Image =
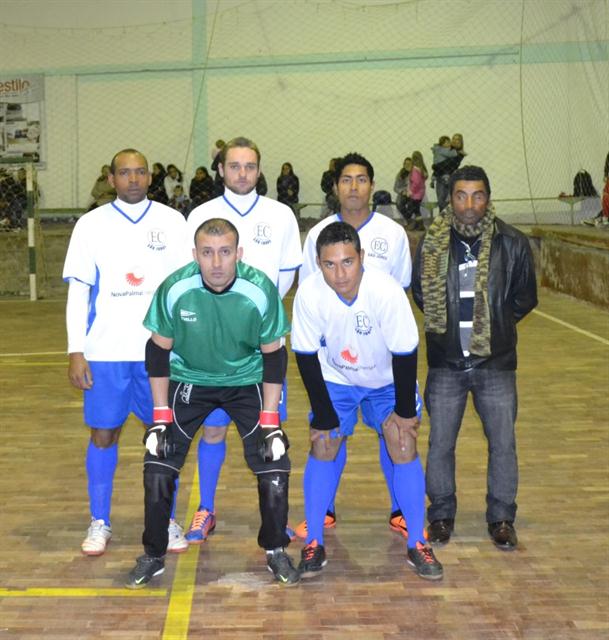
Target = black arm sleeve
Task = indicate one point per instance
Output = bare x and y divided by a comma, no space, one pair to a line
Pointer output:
157,360
405,381
324,416
274,366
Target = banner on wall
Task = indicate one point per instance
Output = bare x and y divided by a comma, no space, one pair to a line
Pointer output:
21,118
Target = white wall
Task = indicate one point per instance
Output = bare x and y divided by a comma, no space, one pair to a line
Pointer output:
309,80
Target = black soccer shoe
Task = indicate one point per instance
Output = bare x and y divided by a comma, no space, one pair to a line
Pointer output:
145,569
280,565
312,559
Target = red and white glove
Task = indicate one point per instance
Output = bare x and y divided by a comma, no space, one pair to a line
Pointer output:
158,438
272,441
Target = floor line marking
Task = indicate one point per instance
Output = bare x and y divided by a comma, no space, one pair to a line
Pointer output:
78,592
547,316
35,353
177,620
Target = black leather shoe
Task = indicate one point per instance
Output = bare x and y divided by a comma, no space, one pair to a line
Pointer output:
439,531
503,535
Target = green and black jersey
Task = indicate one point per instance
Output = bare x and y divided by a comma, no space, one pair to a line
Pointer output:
217,336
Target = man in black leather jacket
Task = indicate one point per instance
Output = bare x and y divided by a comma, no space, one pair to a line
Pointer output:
474,279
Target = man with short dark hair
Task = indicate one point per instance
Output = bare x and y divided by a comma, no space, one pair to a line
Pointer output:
387,248
217,326
270,239
474,279
355,341
118,254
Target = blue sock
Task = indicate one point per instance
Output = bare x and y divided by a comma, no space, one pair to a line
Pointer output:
319,484
175,499
339,466
387,468
409,487
211,458
101,465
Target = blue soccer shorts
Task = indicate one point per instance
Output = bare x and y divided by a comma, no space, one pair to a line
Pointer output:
376,406
119,388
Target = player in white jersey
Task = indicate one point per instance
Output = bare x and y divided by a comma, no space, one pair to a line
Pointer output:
270,238
384,240
118,255
355,340
386,245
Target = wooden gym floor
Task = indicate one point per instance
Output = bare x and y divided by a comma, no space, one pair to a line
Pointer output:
555,586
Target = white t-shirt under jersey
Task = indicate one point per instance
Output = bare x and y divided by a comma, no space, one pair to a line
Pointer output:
384,242
268,230
123,252
354,341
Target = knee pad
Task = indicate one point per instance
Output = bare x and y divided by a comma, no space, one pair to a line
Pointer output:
159,487
274,485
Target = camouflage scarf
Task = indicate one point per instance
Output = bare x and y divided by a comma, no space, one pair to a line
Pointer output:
434,270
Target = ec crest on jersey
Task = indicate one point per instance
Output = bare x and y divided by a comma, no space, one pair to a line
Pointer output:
379,248
262,233
156,240
362,323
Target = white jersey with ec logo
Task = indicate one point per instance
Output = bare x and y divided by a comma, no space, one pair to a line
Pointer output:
384,242
354,340
268,230
123,252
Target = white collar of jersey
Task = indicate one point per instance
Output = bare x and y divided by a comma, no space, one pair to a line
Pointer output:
132,211
239,202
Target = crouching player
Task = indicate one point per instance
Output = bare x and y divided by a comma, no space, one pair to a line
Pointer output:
356,342
217,325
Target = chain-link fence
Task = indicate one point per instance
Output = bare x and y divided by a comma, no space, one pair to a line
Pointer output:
526,83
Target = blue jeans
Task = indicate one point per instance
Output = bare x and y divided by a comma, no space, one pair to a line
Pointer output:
495,401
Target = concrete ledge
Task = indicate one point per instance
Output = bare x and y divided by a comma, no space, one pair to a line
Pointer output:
575,261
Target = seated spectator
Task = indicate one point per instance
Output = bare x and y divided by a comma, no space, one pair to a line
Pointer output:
327,186
288,185
172,179
156,190
102,192
400,186
179,201
216,155
201,187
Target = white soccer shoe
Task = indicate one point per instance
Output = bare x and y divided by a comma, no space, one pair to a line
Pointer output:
177,542
98,536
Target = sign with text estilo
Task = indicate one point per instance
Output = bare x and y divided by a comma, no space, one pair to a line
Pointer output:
21,118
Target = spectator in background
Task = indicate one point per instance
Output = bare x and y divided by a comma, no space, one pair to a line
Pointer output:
327,186
13,202
216,154
262,188
447,156
201,187
102,192
288,186
416,189
400,186
156,190
179,201
172,179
